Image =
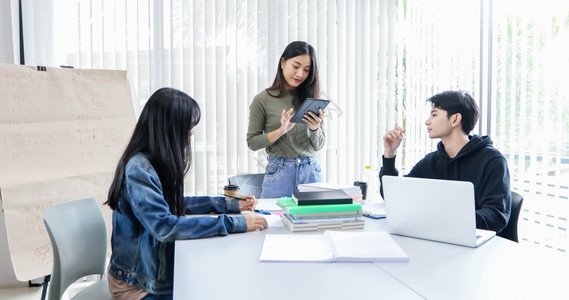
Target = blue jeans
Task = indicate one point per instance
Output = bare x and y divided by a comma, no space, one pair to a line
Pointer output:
283,175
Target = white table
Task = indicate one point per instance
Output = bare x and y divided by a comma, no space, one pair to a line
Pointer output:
229,267
498,269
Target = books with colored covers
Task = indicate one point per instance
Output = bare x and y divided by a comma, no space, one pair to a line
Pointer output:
353,191
332,246
322,225
326,216
321,197
339,219
289,206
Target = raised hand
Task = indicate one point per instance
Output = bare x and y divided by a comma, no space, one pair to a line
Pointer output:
391,141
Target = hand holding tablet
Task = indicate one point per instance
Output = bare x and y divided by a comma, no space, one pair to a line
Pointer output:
310,104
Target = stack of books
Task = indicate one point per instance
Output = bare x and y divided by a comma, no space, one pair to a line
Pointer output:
322,197
320,216
353,191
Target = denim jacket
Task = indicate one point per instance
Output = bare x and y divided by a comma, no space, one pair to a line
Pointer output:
144,231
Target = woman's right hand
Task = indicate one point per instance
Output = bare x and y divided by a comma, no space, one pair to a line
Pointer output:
248,204
391,141
255,222
286,124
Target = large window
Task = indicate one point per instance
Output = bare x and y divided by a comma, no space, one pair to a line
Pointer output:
529,117
379,61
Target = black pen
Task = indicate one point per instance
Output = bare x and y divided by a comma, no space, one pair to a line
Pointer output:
234,197
239,198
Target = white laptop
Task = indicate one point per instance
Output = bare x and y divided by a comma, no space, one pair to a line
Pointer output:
433,209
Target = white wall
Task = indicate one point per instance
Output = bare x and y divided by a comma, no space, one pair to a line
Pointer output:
6,32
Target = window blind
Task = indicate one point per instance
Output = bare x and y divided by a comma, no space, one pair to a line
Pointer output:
379,61
531,115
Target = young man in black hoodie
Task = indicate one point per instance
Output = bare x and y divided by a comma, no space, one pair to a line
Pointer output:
459,156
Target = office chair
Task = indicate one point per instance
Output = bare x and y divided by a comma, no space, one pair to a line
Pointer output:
79,240
249,184
510,232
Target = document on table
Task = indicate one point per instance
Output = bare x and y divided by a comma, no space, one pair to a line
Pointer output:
269,205
332,246
374,210
274,220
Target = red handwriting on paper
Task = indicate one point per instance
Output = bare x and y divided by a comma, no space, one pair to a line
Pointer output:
68,192
44,254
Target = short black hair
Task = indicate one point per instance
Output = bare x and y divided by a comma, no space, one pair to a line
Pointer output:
458,102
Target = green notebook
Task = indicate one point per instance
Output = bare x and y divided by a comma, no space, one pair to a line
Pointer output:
291,207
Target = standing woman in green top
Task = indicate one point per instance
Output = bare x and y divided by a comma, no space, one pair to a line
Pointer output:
291,147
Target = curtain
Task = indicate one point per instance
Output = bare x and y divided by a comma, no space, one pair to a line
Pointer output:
8,32
379,61
37,26
530,113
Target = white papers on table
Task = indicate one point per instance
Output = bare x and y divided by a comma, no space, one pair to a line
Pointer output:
375,210
268,204
338,246
273,220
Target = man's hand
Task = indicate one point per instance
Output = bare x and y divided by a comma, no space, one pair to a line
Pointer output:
391,141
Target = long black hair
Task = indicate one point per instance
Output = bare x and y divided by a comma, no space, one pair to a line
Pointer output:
310,87
163,134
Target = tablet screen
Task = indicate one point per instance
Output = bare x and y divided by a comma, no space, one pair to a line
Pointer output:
310,104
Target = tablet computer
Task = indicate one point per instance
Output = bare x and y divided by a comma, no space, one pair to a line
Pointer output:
310,104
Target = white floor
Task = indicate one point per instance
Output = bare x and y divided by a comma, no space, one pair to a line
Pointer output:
29,293
23,293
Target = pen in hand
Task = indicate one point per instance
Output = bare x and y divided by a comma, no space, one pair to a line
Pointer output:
243,199
234,197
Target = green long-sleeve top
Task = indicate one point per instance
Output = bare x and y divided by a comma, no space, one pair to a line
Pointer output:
265,116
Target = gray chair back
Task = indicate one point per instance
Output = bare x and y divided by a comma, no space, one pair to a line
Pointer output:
79,240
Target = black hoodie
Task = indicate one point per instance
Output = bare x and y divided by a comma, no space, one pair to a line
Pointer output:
478,162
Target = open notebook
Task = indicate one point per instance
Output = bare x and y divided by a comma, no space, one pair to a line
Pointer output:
332,246
433,209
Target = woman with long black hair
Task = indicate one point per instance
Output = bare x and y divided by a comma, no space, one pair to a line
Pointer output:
148,203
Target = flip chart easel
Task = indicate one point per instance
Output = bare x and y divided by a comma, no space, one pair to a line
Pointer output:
62,132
